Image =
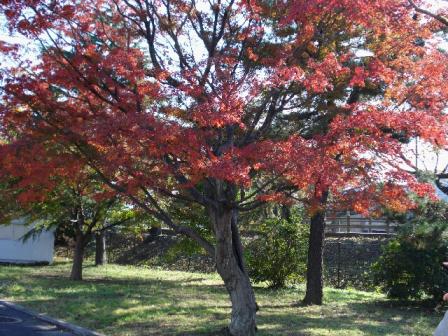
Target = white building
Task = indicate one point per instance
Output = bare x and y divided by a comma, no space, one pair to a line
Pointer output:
13,249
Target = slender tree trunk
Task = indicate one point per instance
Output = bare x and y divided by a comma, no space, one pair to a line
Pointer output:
230,265
155,231
286,212
100,249
78,258
314,273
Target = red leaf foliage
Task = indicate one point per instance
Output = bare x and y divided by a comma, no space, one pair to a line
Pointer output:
175,98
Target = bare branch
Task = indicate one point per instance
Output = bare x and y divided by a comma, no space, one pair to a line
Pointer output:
438,17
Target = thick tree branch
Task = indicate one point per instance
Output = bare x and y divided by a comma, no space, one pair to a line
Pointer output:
437,17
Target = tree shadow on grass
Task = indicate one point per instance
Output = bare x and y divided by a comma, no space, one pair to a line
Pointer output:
107,315
187,307
123,281
361,318
122,317
109,304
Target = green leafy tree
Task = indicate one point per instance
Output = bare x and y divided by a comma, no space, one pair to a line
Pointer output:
278,253
411,264
79,208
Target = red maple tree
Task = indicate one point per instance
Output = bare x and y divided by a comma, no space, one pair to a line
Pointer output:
227,104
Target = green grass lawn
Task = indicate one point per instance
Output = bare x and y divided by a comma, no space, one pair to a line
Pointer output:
120,300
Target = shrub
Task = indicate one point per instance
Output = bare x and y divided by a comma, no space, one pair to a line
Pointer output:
411,264
278,253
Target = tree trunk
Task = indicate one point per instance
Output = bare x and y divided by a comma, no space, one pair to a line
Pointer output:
78,258
100,249
155,231
314,273
230,265
286,212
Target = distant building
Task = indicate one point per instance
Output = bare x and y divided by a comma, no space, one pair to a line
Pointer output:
343,222
349,222
13,249
441,191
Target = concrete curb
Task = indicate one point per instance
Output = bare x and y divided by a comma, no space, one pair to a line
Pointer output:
78,331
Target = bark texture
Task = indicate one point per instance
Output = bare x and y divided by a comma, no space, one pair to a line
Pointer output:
78,258
155,231
314,273
100,249
230,265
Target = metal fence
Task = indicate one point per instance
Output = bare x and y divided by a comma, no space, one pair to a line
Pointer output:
348,261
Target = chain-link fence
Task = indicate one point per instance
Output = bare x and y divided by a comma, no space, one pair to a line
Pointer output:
347,260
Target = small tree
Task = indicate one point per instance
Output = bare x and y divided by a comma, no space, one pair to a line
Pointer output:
79,207
277,254
410,266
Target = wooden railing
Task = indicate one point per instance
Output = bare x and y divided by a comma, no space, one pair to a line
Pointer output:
349,224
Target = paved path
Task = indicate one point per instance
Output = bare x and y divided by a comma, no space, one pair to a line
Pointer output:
17,323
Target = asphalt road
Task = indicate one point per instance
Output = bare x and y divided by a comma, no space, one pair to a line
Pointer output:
17,323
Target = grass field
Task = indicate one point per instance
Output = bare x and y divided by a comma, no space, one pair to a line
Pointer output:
120,300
